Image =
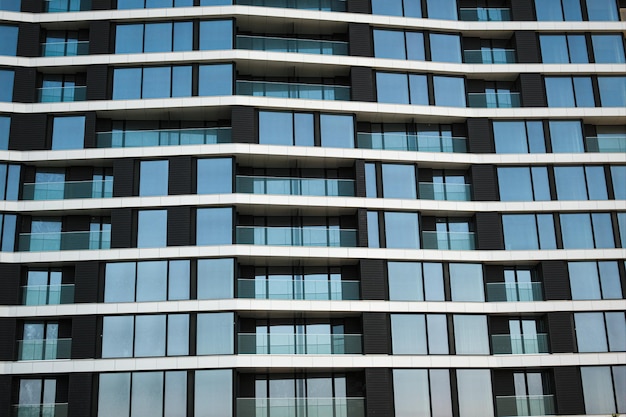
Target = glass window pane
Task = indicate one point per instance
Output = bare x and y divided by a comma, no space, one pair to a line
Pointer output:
392,88
399,181
515,184
156,82
520,232
304,130
566,136
577,49
612,91
214,226
275,128
183,36
5,127
389,44
126,83
175,393
475,395
147,394
215,80
583,92
619,380
373,235
152,229
418,88
213,393
387,7
599,10
119,284
618,175
548,10
415,46
337,131
216,35
470,335
610,280
608,49
603,230
449,91
405,281
616,329
576,231
553,49
560,92
466,282
215,176
583,279
541,185
177,334
8,34
6,85
114,395
441,9
152,281
445,48
215,334
571,10
215,278
179,276
596,183
153,178
597,389
117,337
437,327
433,282
590,333
411,392
510,137
547,233
68,132
181,81
150,335
408,334
158,37
570,183
402,230
370,181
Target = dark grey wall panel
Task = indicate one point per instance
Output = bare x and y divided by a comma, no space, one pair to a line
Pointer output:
489,231
179,226
479,136
180,176
376,334
84,337
97,82
123,177
561,332
8,327
503,383
28,132
373,279
79,394
568,390
527,47
101,4
28,40
32,6
359,6
121,224
361,43
362,81
5,395
484,184
523,10
532,90
362,228
9,284
555,280
86,282
359,176
244,125
24,85
90,130
379,392
99,37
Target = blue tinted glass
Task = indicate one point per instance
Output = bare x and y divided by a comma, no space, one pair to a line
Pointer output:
214,226
515,184
577,49
215,80
449,91
541,186
590,332
584,92
520,231
445,48
181,81
402,230
130,4
8,34
214,2
536,139
466,282
8,234
560,92
553,49
153,4
413,8
183,36
612,91
389,44
217,34
156,82
418,86
304,130
570,183
576,231
392,88
602,10
126,83
566,136
215,176
608,48
275,128
441,9
571,10
215,334
216,278
621,224
370,181
408,334
158,37
618,175
387,7
583,279
548,10
415,46
68,132
596,183
405,281
602,230
547,233
337,131
6,85
153,178
510,137
152,229
128,39
119,285
10,5
373,235
5,127
399,181
213,393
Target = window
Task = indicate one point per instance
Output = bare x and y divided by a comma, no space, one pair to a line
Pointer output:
415,281
520,137
470,335
422,392
151,4
213,393
612,91
621,224
594,280
618,175
523,183
35,392
570,92
10,5
600,332
580,183
399,45
608,49
402,88
152,228
566,136
475,394
337,131
407,8
603,389
215,176
215,80
445,47
215,334
288,129
215,278
466,282
7,232
587,231
441,9
5,127
153,178
528,231
563,49
9,181
6,85
68,132
214,226
558,10
216,35
8,34
151,82
602,10
399,181
419,334
401,230
449,91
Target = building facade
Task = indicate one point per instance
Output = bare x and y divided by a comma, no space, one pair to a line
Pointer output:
312,208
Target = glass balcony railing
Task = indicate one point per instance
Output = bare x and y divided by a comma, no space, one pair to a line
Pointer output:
45,349
299,344
511,291
613,143
61,94
494,100
296,236
290,289
442,191
485,14
71,48
322,5
67,190
39,410
448,240
490,56
51,241
302,46
295,186
59,6
293,90
163,137
525,405
307,406
39,295
506,344
411,142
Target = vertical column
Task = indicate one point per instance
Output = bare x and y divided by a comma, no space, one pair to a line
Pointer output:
489,234
79,395
561,331
376,334
569,391
379,392
555,280
479,136
84,337
362,82
9,284
484,183
373,279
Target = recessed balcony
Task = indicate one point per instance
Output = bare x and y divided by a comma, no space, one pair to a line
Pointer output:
291,289
61,94
293,90
485,14
37,295
445,191
304,406
60,6
494,100
67,190
295,186
489,56
293,45
44,349
163,137
448,240
69,48
299,344
602,144
53,241
296,236
514,291
525,405
412,142
39,410
508,344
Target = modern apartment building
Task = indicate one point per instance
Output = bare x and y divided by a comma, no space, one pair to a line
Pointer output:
312,208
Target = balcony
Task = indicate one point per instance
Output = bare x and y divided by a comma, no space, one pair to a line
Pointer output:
59,6
445,192
299,344
322,5
448,240
302,46
61,94
289,289
293,90
296,236
70,48
411,142
163,137
53,241
613,143
39,410
506,344
494,100
511,291
45,349
289,407
525,405
296,186
39,295
67,190
490,56
485,14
